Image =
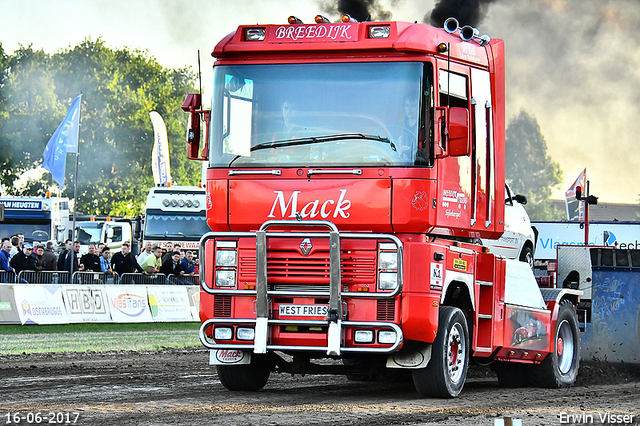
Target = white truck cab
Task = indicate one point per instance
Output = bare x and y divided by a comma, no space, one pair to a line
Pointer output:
519,238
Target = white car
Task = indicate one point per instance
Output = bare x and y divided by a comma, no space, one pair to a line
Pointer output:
519,239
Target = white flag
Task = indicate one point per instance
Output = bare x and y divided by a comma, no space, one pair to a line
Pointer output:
160,154
574,206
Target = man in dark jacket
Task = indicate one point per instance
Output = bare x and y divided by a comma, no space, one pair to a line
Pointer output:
22,261
72,256
50,260
172,265
124,262
63,254
90,262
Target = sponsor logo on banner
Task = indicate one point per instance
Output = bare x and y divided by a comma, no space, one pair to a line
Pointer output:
39,304
86,303
169,303
128,303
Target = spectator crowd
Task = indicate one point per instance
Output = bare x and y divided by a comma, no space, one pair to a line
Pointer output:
16,256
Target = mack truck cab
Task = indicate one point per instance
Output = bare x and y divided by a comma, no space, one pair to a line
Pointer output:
353,167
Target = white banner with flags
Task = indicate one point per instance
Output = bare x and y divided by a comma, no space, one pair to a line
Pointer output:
160,154
575,210
63,140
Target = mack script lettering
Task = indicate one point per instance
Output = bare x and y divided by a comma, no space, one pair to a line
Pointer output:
312,209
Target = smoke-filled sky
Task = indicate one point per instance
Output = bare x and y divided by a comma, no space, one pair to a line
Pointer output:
573,64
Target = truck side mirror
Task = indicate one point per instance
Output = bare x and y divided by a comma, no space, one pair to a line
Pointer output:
521,199
458,132
192,105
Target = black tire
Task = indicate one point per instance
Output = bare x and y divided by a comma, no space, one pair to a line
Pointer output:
560,368
511,374
445,374
246,377
526,255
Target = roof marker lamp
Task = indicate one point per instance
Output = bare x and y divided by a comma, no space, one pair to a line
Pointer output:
254,34
294,21
321,20
347,18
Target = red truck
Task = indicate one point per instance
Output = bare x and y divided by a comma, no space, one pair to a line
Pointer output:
354,168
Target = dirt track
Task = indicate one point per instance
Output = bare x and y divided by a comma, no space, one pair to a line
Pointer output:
176,387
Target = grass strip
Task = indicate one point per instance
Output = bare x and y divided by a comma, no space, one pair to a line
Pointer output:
17,339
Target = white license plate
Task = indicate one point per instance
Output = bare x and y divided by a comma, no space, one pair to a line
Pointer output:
303,310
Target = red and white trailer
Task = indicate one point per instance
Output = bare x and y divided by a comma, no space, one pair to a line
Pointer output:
353,169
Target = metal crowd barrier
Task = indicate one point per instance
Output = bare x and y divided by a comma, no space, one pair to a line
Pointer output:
183,279
8,277
82,277
95,278
144,279
43,277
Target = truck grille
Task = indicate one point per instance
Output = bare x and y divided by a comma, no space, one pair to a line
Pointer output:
386,309
222,306
289,269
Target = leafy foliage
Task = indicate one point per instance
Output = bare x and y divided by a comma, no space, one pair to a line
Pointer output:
529,169
119,87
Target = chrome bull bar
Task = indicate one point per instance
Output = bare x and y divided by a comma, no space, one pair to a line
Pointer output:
334,319
213,345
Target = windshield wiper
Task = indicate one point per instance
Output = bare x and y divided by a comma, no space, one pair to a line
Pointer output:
317,139
322,139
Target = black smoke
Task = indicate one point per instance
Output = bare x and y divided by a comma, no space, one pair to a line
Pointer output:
467,12
361,10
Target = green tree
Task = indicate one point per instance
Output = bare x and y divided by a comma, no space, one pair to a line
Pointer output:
119,87
529,169
27,109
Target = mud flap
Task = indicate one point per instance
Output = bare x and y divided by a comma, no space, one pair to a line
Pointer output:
229,357
413,357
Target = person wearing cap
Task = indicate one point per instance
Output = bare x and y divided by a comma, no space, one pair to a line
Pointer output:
22,261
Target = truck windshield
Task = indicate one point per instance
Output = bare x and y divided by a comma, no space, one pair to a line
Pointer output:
342,114
90,232
175,226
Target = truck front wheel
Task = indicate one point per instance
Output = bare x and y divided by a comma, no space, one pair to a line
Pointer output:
445,374
246,377
560,368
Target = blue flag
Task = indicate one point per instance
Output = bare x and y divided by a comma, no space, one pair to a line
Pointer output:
64,139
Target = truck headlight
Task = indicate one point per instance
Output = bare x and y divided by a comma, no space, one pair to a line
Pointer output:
388,260
225,278
245,333
226,258
387,337
363,336
388,280
223,333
